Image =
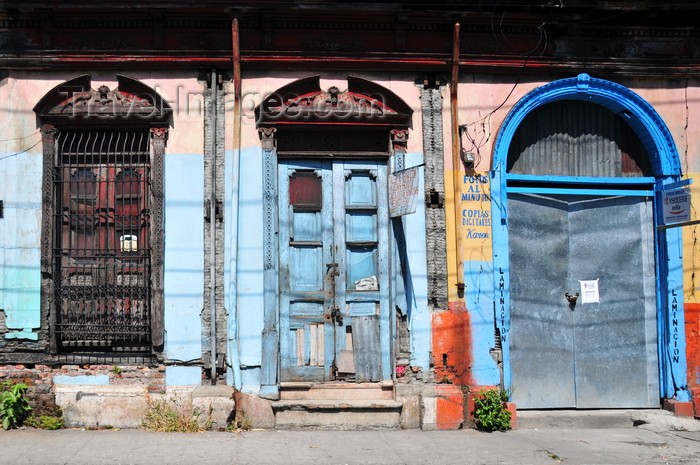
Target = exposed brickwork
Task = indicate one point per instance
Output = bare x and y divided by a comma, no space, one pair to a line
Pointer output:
679,409
39,378
433,149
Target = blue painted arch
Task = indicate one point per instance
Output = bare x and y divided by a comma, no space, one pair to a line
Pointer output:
641,117
666,169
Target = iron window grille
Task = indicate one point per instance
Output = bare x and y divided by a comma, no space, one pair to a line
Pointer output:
101,244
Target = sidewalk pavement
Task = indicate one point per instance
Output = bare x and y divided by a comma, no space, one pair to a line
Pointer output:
650,443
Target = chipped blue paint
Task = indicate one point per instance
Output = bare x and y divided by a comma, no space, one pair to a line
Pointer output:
184,255
479,298
183,376
26,333
417,282
665,165
82,380
251,379
231,214
20,277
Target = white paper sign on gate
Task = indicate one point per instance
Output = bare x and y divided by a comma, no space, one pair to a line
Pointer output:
589,292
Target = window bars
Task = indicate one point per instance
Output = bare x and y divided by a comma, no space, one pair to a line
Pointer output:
101,241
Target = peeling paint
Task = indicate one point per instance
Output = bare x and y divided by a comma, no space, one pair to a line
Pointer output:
452,345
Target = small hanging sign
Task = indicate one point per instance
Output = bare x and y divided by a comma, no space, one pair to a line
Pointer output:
589,292
676,204
403,192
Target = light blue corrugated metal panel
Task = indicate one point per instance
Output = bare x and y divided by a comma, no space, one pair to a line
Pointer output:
20,190
184,255
576,138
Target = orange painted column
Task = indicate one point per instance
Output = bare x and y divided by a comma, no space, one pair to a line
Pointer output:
692,336
452,345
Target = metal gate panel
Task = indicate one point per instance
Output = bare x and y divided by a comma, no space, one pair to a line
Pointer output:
615,365
611,345
541,345
101,245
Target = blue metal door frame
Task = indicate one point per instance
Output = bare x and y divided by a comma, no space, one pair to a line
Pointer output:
665,165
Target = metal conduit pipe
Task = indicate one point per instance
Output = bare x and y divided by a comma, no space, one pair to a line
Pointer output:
456,161
233,328
212,228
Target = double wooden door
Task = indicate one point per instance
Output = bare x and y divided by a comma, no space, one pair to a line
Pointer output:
334,271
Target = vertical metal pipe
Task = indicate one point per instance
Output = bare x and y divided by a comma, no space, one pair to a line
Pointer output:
237,89
212,227
456,161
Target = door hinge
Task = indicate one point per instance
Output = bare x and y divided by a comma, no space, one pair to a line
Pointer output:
2,209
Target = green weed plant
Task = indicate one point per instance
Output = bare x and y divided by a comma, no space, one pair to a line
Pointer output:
14,405
491,412
168,418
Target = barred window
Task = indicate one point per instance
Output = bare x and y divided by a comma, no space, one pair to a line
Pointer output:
102,220
102,250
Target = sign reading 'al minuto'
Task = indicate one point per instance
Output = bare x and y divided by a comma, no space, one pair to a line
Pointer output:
476,207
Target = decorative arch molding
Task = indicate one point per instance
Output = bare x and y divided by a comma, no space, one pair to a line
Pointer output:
364,102
666,168
641,117
75,103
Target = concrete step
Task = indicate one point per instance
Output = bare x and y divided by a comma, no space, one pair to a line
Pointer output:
337,391
582,419
337,414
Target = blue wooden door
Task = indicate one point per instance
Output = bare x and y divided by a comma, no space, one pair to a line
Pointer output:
334,271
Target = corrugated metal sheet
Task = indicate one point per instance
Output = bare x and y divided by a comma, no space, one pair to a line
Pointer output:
368,349
577,138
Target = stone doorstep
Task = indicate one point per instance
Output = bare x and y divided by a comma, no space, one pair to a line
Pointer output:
337,391
340,414
217,390
587,419
329,404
